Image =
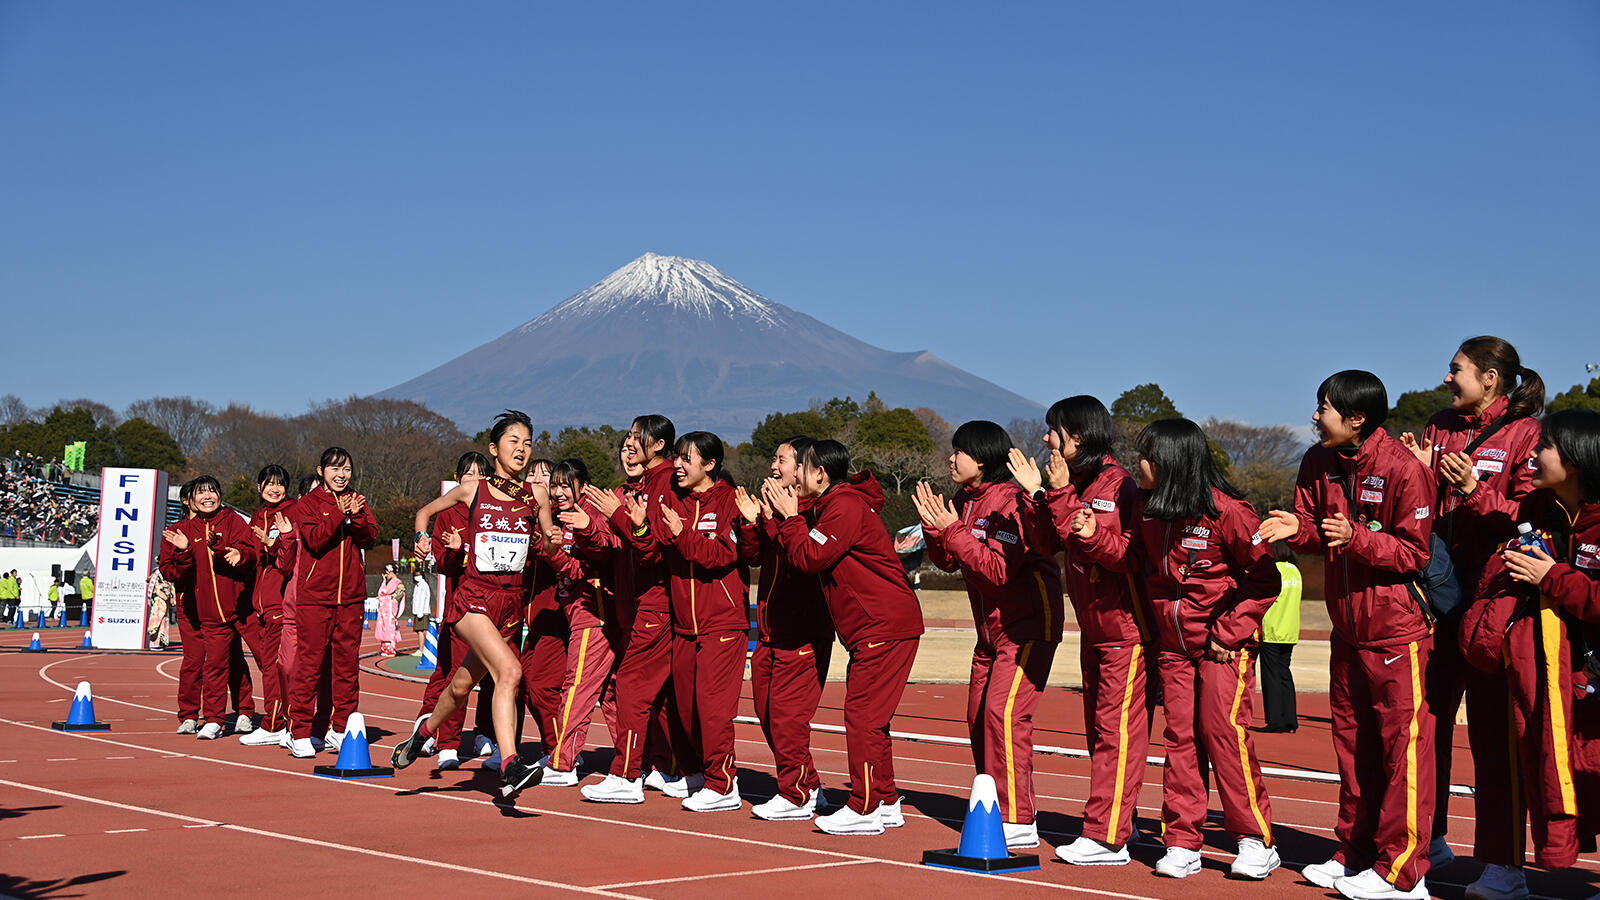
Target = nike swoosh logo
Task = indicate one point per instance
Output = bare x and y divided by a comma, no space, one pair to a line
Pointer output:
806,652
1390,660
652,624
727,637
878,644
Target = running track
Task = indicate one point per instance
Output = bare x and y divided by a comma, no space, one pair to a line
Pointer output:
142,812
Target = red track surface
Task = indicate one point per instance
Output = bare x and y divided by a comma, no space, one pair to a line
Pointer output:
142,812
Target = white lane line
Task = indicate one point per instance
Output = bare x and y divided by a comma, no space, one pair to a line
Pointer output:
126,830
315,842
35,837
122,757
773,871
61,759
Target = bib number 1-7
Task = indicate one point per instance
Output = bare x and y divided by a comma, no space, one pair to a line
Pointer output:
498,551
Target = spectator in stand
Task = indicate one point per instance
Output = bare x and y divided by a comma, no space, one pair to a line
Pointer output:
1280,631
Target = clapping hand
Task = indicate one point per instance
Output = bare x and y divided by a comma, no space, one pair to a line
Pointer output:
749,507
1422,451
232,556
638,510
1278,525
1025,470
577,518
1084,523
1057,469
780,497
176,538
604,501
1457,469
937,513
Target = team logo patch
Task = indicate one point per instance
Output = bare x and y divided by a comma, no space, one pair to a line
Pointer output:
1586,561
818,536
1491,453
1103,505
1190,543
1421,513
1006,537
1489,465
1373,481
1372,496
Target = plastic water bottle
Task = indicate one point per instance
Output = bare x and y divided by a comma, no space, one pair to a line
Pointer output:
1527,539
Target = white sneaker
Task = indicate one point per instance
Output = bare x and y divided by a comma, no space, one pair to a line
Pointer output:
210,732
655,780
431,746
891,815
614,789
287,740
244,724
1324,874
483,745
302,748
261,738
782,809
1255,860
682,788
845,820
447,760
332,740
1369,885
558,777
189,726
1021,837
1179,862
707,800
1440,854
1090,852
1499,883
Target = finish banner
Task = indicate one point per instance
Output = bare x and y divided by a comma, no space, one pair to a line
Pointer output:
133,513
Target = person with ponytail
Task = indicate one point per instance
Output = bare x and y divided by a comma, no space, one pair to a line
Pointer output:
1006,555
1479,451
1533,626
508,517
1364,501
1112,611
843,540
1210,581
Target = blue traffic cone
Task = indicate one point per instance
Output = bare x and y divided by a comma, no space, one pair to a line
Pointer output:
62,622
33,645
81,716
22,620
430,649
355,756
83,620
43,620
983,838
87,644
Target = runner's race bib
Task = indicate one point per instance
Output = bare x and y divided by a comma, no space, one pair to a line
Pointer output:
500,551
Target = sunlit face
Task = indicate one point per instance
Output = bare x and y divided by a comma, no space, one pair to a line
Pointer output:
540,474
1335,429
206,499
1549,469
335,475
644,451
693,472
273,492
785,467
1063,442
628,457
1149,474
813,481
472,475
1471,388
512,451
964,469
564,493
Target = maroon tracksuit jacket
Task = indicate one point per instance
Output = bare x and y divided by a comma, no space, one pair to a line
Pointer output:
1006,555
1114,617
330,596
583,589
1526,634
219,594
1382,648
263,630
876,613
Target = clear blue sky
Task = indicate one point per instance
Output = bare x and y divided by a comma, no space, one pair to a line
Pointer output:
1232,200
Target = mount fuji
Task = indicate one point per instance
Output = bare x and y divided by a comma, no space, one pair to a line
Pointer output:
676,336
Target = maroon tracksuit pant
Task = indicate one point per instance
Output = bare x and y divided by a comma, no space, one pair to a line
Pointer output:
1002,694
875,680
223,671
544,668
263,636
194,655
1208,706
591,663
707,674
642,696
325,634
787,686
1383,738
1117,708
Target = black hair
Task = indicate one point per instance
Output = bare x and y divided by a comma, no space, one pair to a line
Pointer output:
334,456
1088,418
1186,472
468,460
308,483
1282,552
273,474
205,481
1355,392
505,420
1575,434
709,447
656,427
572,471
989,445
541,461
1489,352
831,457
798,444
186,491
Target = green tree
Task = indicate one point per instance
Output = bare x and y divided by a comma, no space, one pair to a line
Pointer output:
140,445
1143,404
779,427
601,462
1413,409
241,494
898,428
1578,397
837,415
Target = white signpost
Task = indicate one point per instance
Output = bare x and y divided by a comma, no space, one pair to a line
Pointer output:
133,513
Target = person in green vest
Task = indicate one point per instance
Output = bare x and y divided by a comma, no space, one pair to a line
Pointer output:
10,595
86,592
54,596
1280,631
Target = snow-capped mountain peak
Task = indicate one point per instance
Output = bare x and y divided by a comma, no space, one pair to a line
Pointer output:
673,283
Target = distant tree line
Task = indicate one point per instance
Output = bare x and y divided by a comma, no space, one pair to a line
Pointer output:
403,450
